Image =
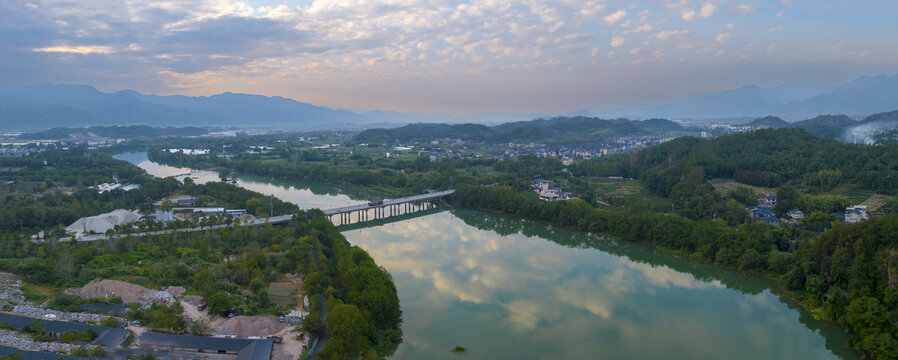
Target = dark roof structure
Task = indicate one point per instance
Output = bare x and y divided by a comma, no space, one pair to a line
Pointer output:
246,349
110,338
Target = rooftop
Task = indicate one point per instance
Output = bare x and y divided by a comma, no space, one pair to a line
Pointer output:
247,349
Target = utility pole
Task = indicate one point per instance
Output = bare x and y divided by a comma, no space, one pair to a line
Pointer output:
271,206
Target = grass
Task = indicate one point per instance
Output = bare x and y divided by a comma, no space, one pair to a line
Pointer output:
38,293
856,196
630,191
459,349
877,201
724,186
281,292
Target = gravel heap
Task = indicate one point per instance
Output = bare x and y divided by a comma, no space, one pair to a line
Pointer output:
130,293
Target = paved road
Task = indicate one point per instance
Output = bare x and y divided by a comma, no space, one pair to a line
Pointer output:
255,222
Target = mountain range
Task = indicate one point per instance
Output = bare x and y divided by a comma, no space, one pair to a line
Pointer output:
792,101
37,107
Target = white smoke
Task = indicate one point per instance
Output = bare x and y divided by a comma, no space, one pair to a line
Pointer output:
863,134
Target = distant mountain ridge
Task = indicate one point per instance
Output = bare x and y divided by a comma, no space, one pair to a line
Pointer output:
38,107
793,101
578,129
44,106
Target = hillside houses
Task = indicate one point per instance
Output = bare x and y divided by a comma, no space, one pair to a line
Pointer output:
549,192
764,211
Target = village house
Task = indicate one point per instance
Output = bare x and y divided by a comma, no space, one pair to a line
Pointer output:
856,213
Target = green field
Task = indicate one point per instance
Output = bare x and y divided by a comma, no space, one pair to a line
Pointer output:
281,292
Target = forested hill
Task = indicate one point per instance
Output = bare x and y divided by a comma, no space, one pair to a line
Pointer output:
835,126
766,157
561,129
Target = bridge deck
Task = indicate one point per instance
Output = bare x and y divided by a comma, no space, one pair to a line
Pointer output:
389,202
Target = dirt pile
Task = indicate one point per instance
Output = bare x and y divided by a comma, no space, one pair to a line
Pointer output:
130,293
247,326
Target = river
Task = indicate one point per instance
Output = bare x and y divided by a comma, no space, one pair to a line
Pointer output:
504,288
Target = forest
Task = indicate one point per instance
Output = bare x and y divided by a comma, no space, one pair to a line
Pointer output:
767,157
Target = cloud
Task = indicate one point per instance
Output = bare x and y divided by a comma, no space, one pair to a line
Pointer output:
591,9
617,41
688,15
670,34
707,10
84,49
644,28
349,47
742,10
775,28
731,26
615,17
722,38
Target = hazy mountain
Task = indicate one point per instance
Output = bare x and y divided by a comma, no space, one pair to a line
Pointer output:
46,106
864,96
768,121
793,101
256,110
830,126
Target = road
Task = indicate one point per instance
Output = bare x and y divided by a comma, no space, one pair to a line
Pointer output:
254,222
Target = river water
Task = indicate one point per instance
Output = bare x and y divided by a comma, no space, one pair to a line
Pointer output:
504,288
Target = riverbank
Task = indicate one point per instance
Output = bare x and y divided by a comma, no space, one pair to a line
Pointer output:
750,248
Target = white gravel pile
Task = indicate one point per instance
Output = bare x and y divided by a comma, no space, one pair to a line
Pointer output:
22,341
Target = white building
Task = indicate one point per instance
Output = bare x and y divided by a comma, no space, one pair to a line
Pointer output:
856,213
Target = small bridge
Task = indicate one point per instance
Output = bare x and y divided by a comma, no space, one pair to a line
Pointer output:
386,208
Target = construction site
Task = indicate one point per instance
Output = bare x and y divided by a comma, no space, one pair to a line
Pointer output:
257,337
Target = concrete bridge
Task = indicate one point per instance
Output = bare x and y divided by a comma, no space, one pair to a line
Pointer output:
386,208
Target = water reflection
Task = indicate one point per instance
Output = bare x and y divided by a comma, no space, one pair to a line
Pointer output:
506,288
496,286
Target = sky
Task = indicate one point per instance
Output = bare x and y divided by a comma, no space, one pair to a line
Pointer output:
446,56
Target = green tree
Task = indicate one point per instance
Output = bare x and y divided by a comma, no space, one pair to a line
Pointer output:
786,199
348,327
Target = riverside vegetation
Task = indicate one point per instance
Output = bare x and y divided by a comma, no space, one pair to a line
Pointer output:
841,273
